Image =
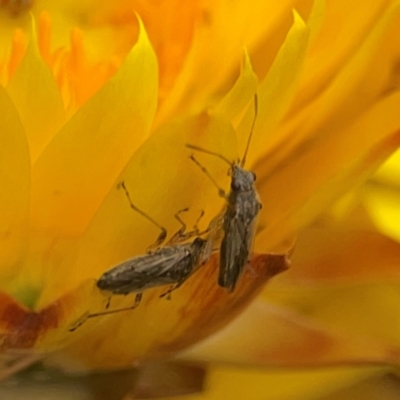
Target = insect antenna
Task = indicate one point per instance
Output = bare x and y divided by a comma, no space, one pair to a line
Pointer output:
163,234
251,130
221,191
213,153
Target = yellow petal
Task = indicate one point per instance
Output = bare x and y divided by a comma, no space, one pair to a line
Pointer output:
241,93
80,164
117,232
343,308
321,130
354,152
15,184
43,116
203,72
46,329
336,254
197,309
389,173
230,382
379,387
336,45
341,103
276,91
316,20
278,332
382,204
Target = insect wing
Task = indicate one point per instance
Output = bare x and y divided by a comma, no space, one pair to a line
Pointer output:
239,227
234,254
143,272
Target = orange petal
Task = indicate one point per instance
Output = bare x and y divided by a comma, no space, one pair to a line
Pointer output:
44,330
195,310
334,254
275,335
203,72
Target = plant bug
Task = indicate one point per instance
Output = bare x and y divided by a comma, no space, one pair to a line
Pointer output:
170,265
240,216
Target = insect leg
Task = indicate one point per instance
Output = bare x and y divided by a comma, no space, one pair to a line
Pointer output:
196,224
108,303
86,316
214,225
180,234
162,235
170,290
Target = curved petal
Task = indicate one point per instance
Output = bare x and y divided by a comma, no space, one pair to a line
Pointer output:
241,93
43,117
24,330
161,180
80,164
338,39
271,335
276,91
230,382
203,73
336,254
382,204
59,323
354,152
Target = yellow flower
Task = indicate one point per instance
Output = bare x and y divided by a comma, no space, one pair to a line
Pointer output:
118,101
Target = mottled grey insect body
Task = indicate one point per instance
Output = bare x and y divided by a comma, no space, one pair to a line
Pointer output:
240,216
170,265
239,224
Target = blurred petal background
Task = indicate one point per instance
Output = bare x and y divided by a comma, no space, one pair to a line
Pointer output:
90,96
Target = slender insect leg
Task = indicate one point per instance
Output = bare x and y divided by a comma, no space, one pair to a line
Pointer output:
86,316
108,303
170,290
212,226
180,234
196,224
162,236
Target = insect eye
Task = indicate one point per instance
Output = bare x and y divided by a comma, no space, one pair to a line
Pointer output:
254,176
235,186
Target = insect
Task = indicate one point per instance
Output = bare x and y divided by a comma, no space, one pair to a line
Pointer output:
170,265
240,217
